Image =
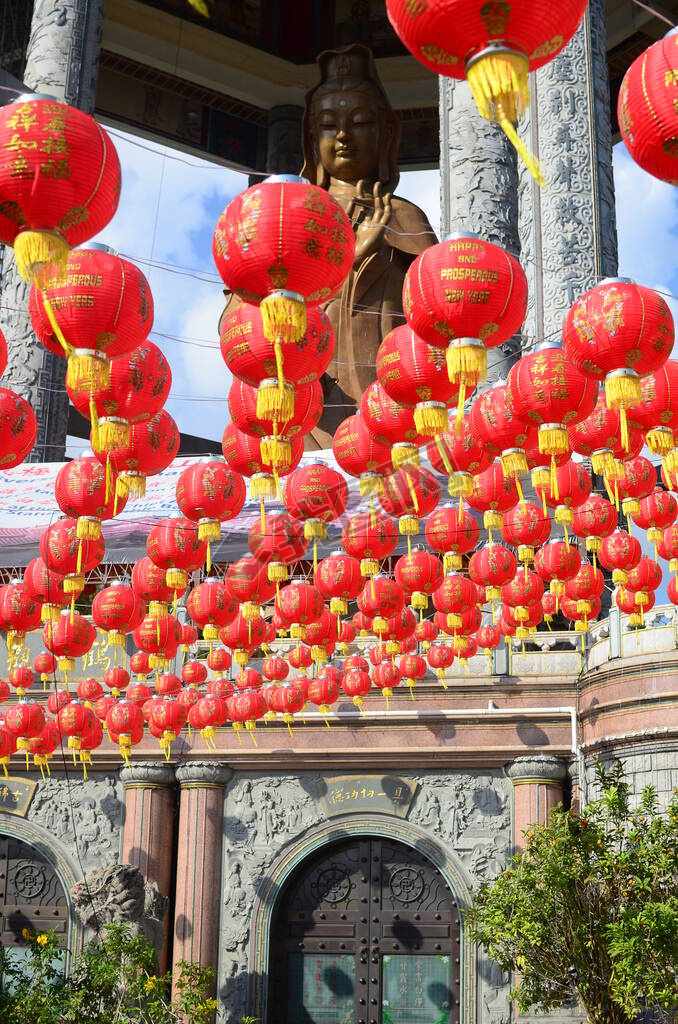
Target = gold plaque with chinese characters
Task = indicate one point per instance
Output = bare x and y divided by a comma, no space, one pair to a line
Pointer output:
355,794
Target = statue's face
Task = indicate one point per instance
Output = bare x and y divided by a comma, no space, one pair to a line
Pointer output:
348,135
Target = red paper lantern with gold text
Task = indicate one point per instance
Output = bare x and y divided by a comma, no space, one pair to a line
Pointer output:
597,437
283,244
657,412
149,583
501,431
526,528
68,638
412,374
211,606
276,433
153,444
452,534
419,573
61,185
647,575
413,668
547,390
493,46
369,538
636,479
278,543
298,604
381,599
391,424
440,301
244,455
584,587
454,596
635,603
667,547
594,520
460,455
618,332
45,664
491,567
209,493
360,454
338,579
572,488
115,611
82,493
440,657
167,719
64,552
194,673
657,511
138,385
316,495
493,494
23,722
173,545
249,586
646,111
557,562
159,638
410,494
45,587
620,553
18,428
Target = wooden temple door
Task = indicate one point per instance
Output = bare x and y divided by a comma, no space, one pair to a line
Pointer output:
366,933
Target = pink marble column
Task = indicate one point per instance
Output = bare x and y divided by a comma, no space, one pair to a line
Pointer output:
148,831
198,887
537,788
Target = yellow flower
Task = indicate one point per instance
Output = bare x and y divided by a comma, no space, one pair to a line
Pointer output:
26,933
150,983
41,939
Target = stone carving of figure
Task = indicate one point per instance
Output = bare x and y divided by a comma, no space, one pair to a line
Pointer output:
119,893
351,137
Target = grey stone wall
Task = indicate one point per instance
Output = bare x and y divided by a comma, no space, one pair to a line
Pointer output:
646,764
265,814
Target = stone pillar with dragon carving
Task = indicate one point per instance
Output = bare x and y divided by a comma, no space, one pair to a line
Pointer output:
148,831
62,61
479,187
537,788
198,887
568,234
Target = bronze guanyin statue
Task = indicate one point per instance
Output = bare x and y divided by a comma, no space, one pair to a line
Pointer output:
351,137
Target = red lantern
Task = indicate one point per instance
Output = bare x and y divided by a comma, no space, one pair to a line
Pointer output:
117,678
276,431
89,690
381,598
657,511
440,658
412,374
657,412
101,308
137,693
419,573
188,635
410,494
194,673
139,663
18,427
243,454
667,547
646,111
70,637
23,722
167,684
597,437
492,566
584,589
618,332
620,552
210,493
138,386
173,545
44,664
223,688
323,692
21,678
219,660
455,596
208,714
371,539
488,637
386,676
153,444
284,244
636,480
300,659
526,528
74,720
493,47
211,606
440,300
63,551
647,575
114,611
391,424
316,495
298,604
149,583
635,603
459,454
167,719
572,488
452,534
360,454
60,186
19,614
159,638
275,669
248,584
501,431
45,587
557,562
338,579
243,636
244,709
356,685
493,494
278,544
523,590
673,590
413,668
594,520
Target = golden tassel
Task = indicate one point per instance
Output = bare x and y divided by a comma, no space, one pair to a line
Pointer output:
430,418
41,258
94,424
275,400
283,316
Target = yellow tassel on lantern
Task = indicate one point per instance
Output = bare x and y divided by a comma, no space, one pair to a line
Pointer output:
114,434
275,402
88,528
315,529
622,390
369,566
660,440
460,484
88,370
492,520
41,257
564,516
430,418
466,362
451,562
514,463
498,78
50,612
209,530
176,579
408,526
371,484
553,439
74,584
283,317
277,572
276,451
403,453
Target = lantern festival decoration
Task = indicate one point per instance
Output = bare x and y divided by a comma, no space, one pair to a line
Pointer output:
153,445
360,454
392,424
412,374
60,185
316,495
646,111
460,455
283,245
439,301
18,428
209,493
502,432
278,543
493,46
370,539
82,493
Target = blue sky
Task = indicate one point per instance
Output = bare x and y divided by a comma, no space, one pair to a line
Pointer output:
170,202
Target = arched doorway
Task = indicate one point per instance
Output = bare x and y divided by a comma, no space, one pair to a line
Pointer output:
366,932
31,894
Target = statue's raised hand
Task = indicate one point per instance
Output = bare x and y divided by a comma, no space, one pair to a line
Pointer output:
370,231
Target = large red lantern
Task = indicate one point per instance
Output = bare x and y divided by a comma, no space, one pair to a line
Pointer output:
493,46
386,677
159,638
153,444
21,678
167,719
210,493
298,604
70,637
125,725
441,299
244,455
18,428
101,308
656,512
211,607
23,722
459,454
284,244
452,534
243,636
173,545
526,528
570,488
493,494
360,454
46,587
557,562
491,567
115,611
369,538
588,584
620,552
138,385
45,664
82,493
647,575
412,374
275,372
276,433
316,495
618,332
501,431
277,543
410,494
637,478
338,578
149,583
60,182
547,390
19,614
594,520
657,411
597,437
667,547
454,596
523,590
248,584
392,424
646,110
381,599
419,573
